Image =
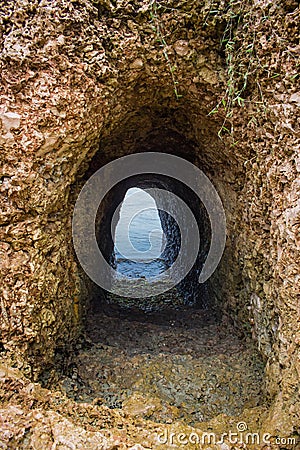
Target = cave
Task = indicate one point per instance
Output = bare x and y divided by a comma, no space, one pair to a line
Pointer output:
116,316
100,82
167,140
182,225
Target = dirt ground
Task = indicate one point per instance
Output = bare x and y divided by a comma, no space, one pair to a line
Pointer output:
142,370
175,365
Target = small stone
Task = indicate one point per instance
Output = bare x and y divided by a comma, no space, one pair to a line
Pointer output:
61,39
224,447
295,98
181,48
137,64
201,60
10,120
88,48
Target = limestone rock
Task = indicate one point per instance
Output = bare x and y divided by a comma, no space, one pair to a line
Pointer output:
10,120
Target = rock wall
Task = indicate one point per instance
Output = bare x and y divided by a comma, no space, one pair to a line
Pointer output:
84,83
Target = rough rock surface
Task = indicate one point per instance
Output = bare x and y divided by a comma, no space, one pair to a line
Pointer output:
85,82
172,365
36,418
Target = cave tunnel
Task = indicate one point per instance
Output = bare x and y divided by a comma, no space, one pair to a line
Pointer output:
162,136
189,286
130,326
96,84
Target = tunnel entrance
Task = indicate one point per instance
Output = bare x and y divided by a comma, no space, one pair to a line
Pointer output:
168,357
139,238
178,355
144,231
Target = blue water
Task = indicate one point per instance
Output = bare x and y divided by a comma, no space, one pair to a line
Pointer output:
139,237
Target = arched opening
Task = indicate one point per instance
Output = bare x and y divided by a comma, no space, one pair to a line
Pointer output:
167,199
139,237
145,348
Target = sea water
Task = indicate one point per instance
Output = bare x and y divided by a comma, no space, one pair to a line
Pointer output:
139,238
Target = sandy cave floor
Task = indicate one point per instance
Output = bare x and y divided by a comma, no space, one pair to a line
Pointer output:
164,366
134,376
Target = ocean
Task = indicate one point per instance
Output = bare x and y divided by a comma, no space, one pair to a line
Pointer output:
139,238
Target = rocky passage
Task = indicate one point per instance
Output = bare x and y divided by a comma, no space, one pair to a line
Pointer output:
34,418
176,364
142,370
82,84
